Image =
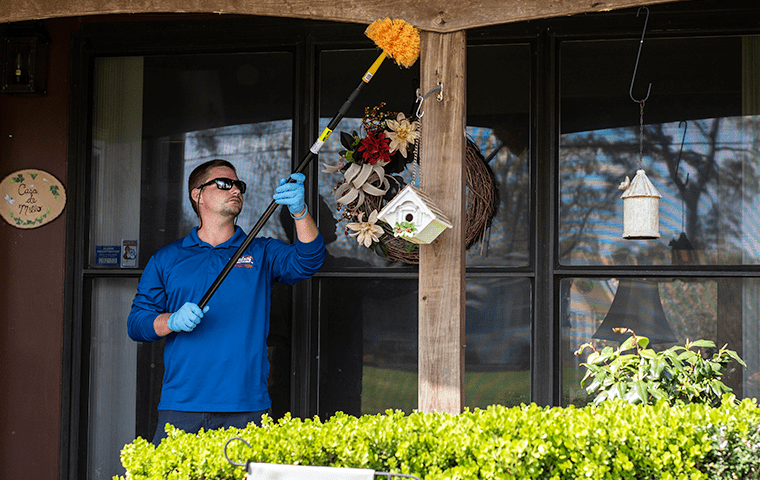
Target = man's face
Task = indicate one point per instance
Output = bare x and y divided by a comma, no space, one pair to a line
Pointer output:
213,200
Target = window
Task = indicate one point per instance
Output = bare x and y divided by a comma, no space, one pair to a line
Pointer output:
155,118
368,325
699,144
696,137
498,309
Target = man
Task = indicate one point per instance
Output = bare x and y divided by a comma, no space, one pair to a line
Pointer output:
215,359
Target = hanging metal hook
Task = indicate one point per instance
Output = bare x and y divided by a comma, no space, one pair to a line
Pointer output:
633,79
438,88
678,161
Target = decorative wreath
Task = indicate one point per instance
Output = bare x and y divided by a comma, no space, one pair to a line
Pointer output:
371,166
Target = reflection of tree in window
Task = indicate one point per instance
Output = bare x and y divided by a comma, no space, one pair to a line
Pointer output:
718,157
506,154
261,153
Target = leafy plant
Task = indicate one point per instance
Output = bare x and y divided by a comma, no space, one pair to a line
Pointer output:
637,374
612,440
735,452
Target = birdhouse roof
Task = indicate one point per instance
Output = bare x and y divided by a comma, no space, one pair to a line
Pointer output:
422,199
641,187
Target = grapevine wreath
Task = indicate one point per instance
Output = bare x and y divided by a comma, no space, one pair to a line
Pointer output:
371,165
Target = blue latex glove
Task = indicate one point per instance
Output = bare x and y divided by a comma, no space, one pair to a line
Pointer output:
291,194
186,318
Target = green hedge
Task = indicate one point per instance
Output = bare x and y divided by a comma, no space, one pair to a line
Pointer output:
613,440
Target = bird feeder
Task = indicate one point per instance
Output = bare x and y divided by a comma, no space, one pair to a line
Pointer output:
414,216
641,208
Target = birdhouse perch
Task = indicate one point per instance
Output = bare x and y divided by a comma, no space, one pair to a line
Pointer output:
414,216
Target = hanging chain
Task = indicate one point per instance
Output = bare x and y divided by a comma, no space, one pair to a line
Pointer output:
641,136
416,170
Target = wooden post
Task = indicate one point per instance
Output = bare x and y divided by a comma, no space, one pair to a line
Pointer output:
442,263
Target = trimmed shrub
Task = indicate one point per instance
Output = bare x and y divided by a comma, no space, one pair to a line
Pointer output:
612,440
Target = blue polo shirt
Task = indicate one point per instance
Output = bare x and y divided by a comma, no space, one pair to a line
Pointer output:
222,365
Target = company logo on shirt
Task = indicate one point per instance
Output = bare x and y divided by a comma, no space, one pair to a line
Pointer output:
246,261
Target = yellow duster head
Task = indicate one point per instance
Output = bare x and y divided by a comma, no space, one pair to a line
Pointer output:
397,39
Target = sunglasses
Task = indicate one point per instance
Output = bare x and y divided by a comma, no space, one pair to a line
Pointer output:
225,184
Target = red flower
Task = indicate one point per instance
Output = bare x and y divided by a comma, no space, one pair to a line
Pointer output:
375,147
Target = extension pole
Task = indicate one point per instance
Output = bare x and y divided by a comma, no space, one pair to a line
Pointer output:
313,151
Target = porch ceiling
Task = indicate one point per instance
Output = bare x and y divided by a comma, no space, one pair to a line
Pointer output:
430,15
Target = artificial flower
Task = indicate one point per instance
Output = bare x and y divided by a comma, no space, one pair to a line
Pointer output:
360,180
375,148
327,168
402,134
366,232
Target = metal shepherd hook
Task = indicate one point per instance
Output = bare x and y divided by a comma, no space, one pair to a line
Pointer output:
641,42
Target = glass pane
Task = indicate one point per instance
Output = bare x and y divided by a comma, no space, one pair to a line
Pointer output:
498,122
154,120
194,108
368,357
199,107
113,384
279,349
698,147
116,150
497,353
668,311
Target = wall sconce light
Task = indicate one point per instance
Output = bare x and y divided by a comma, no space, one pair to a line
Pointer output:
25,60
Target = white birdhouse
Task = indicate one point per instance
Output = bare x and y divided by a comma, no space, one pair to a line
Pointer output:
641,208
414,217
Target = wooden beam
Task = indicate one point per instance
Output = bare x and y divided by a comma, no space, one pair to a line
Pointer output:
442,263
427,15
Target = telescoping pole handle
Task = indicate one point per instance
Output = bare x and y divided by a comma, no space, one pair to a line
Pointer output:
243,246
313,151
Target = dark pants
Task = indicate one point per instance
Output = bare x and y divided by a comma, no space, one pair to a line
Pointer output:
192,422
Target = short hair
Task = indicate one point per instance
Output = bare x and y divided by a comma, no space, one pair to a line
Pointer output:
199,174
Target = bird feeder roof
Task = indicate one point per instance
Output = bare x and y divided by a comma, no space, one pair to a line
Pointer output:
641,186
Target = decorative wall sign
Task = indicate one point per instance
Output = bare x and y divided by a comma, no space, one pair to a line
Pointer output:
31,198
